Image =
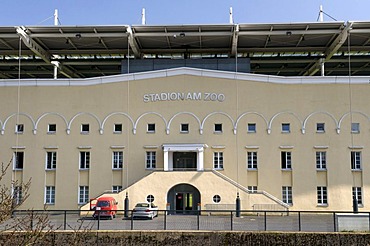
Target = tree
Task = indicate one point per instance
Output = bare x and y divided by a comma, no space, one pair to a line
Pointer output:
34,226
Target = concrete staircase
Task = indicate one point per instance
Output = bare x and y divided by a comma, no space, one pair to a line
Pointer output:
209,183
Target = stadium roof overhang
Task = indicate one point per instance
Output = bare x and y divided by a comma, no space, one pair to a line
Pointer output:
287,49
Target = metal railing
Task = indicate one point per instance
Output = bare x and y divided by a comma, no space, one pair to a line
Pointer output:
266,194
210,220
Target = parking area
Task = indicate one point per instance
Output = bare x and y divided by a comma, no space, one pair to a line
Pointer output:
226,221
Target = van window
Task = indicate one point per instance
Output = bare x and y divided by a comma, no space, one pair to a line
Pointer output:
103,204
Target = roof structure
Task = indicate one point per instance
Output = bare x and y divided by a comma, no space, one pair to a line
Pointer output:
285,49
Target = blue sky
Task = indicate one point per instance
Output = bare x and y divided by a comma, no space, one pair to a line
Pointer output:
168,12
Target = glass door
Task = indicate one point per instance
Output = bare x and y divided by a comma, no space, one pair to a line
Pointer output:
184,202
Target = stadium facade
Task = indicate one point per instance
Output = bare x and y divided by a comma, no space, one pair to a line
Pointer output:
188,116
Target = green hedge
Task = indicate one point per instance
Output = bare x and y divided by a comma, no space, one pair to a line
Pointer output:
183,238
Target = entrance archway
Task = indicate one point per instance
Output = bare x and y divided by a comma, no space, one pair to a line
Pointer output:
183,199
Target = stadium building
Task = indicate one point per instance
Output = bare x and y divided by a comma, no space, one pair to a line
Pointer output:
188,116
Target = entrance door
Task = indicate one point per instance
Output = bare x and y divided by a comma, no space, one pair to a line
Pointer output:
183,199
185,161
184,202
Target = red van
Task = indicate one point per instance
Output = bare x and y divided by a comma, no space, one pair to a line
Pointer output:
104,207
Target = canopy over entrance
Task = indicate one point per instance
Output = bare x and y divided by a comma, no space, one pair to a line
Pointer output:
184,157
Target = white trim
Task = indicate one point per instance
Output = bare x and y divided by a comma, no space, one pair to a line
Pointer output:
286,147
84,147
252,147
150,147
320,147
218,146
188,71
355,147
18,147
168,148
117,147
51,147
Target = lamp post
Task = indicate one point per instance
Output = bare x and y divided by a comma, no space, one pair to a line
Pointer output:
237,214
127,202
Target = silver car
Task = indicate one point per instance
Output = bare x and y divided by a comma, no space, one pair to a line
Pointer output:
145,210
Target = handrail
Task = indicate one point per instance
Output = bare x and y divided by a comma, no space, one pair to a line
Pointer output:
231,181
268,195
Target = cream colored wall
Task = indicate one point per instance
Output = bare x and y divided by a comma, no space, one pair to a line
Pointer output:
206,182
262,103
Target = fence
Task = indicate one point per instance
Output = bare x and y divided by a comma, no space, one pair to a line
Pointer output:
210,220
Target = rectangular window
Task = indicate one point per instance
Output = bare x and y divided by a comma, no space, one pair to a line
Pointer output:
150,159
357,194
117,159
52,128
83,194
252,189
287,194
50,195
51,160
355,127
320,127
18,160
218,160
151,127
184,128
85,128
252,160
356,160
17,195
84,160
116,188
252,127
286,160
19,128
322,196
320,160
117,128
218,128
285,127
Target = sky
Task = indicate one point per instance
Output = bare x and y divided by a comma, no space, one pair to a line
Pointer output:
175,12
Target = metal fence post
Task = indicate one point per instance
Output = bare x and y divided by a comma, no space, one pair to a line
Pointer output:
31,220
132,221
265,214
231,220
98,219
165,220
335,223
299,221
198,220
65,220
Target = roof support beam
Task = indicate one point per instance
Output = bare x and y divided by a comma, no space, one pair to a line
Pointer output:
331,50
39,51
32,45
234,48
133,44
6,44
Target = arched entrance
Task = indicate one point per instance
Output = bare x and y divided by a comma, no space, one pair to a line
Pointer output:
183,199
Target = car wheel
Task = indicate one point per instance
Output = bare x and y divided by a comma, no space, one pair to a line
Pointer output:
111,217
152,216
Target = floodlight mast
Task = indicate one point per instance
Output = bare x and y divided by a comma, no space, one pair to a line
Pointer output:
321,14
143,20
231,19
56,18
